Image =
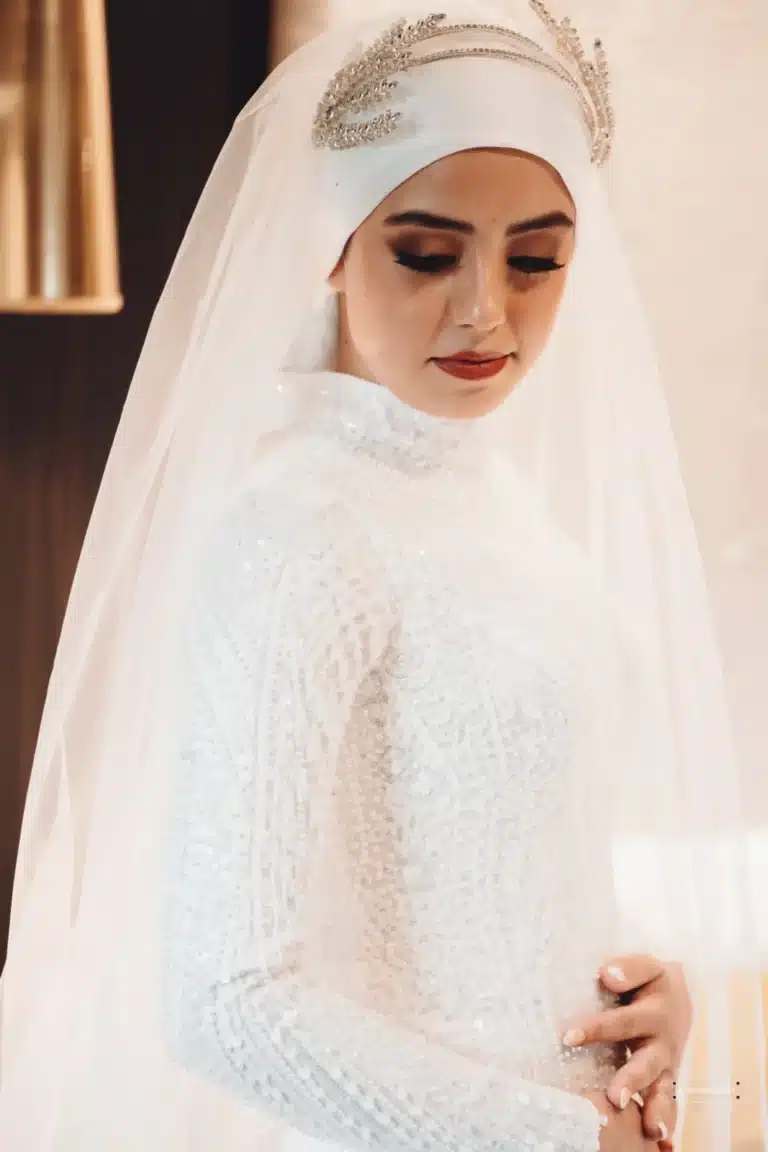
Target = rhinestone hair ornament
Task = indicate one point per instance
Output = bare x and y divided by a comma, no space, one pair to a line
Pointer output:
367,82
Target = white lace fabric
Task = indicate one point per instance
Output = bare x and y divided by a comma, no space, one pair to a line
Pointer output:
369,925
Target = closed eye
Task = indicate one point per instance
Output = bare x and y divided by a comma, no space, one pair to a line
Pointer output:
433,265
533,264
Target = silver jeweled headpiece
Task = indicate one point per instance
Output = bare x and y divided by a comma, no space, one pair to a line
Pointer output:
367,82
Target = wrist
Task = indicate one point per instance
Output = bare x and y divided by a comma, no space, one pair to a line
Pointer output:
599,1105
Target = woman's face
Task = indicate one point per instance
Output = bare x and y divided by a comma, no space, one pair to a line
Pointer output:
449,290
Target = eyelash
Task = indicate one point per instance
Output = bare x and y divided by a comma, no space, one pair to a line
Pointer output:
434,265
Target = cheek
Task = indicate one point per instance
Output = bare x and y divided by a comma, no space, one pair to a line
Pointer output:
536,316
390,314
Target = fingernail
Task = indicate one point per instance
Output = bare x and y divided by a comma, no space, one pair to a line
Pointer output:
574,1037
638,1099
617,974
663,1130
624,1098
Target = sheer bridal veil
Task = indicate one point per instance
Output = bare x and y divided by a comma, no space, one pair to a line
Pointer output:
83,1063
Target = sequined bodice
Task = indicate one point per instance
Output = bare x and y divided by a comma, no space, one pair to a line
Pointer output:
373,422
371,926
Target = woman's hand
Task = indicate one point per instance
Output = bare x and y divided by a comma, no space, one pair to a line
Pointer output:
653,1024
624,1130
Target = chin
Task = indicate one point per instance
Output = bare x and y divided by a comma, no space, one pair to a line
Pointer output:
461,399
472,401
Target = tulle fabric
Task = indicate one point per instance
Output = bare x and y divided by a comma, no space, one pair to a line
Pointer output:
84,1063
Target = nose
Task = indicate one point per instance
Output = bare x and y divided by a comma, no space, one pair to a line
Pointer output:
480,296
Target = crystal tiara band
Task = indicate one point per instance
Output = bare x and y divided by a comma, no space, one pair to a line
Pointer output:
366,84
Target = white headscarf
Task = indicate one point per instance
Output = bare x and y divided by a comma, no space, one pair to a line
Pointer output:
84,1064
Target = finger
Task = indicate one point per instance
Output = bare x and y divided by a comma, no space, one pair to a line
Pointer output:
643,1019
660,1120
638,1074
660,1111
625,973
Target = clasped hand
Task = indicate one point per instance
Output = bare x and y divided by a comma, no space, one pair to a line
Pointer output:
653,1029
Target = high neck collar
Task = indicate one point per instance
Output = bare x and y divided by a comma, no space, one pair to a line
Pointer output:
370,419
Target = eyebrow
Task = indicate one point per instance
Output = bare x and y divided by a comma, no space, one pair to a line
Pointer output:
446,224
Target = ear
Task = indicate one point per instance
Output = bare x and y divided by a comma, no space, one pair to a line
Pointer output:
336,278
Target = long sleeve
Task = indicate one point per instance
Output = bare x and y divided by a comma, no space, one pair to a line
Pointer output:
292,614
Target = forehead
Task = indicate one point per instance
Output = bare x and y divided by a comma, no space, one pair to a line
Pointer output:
482,181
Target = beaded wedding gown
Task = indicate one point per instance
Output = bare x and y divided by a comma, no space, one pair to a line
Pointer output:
377,854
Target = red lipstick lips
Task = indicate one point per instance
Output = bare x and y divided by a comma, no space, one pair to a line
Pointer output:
472,365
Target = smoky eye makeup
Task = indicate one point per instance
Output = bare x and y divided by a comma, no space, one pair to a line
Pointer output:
533,264
430,262
435,263
543,253
431,254
425,253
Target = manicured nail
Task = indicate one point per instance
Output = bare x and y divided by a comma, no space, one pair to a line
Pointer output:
638,1099
617,974
624,1098
663,1130
574,1037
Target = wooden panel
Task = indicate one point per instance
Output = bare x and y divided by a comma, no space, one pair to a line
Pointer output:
180,72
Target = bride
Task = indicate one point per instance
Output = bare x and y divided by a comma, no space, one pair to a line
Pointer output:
369,650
